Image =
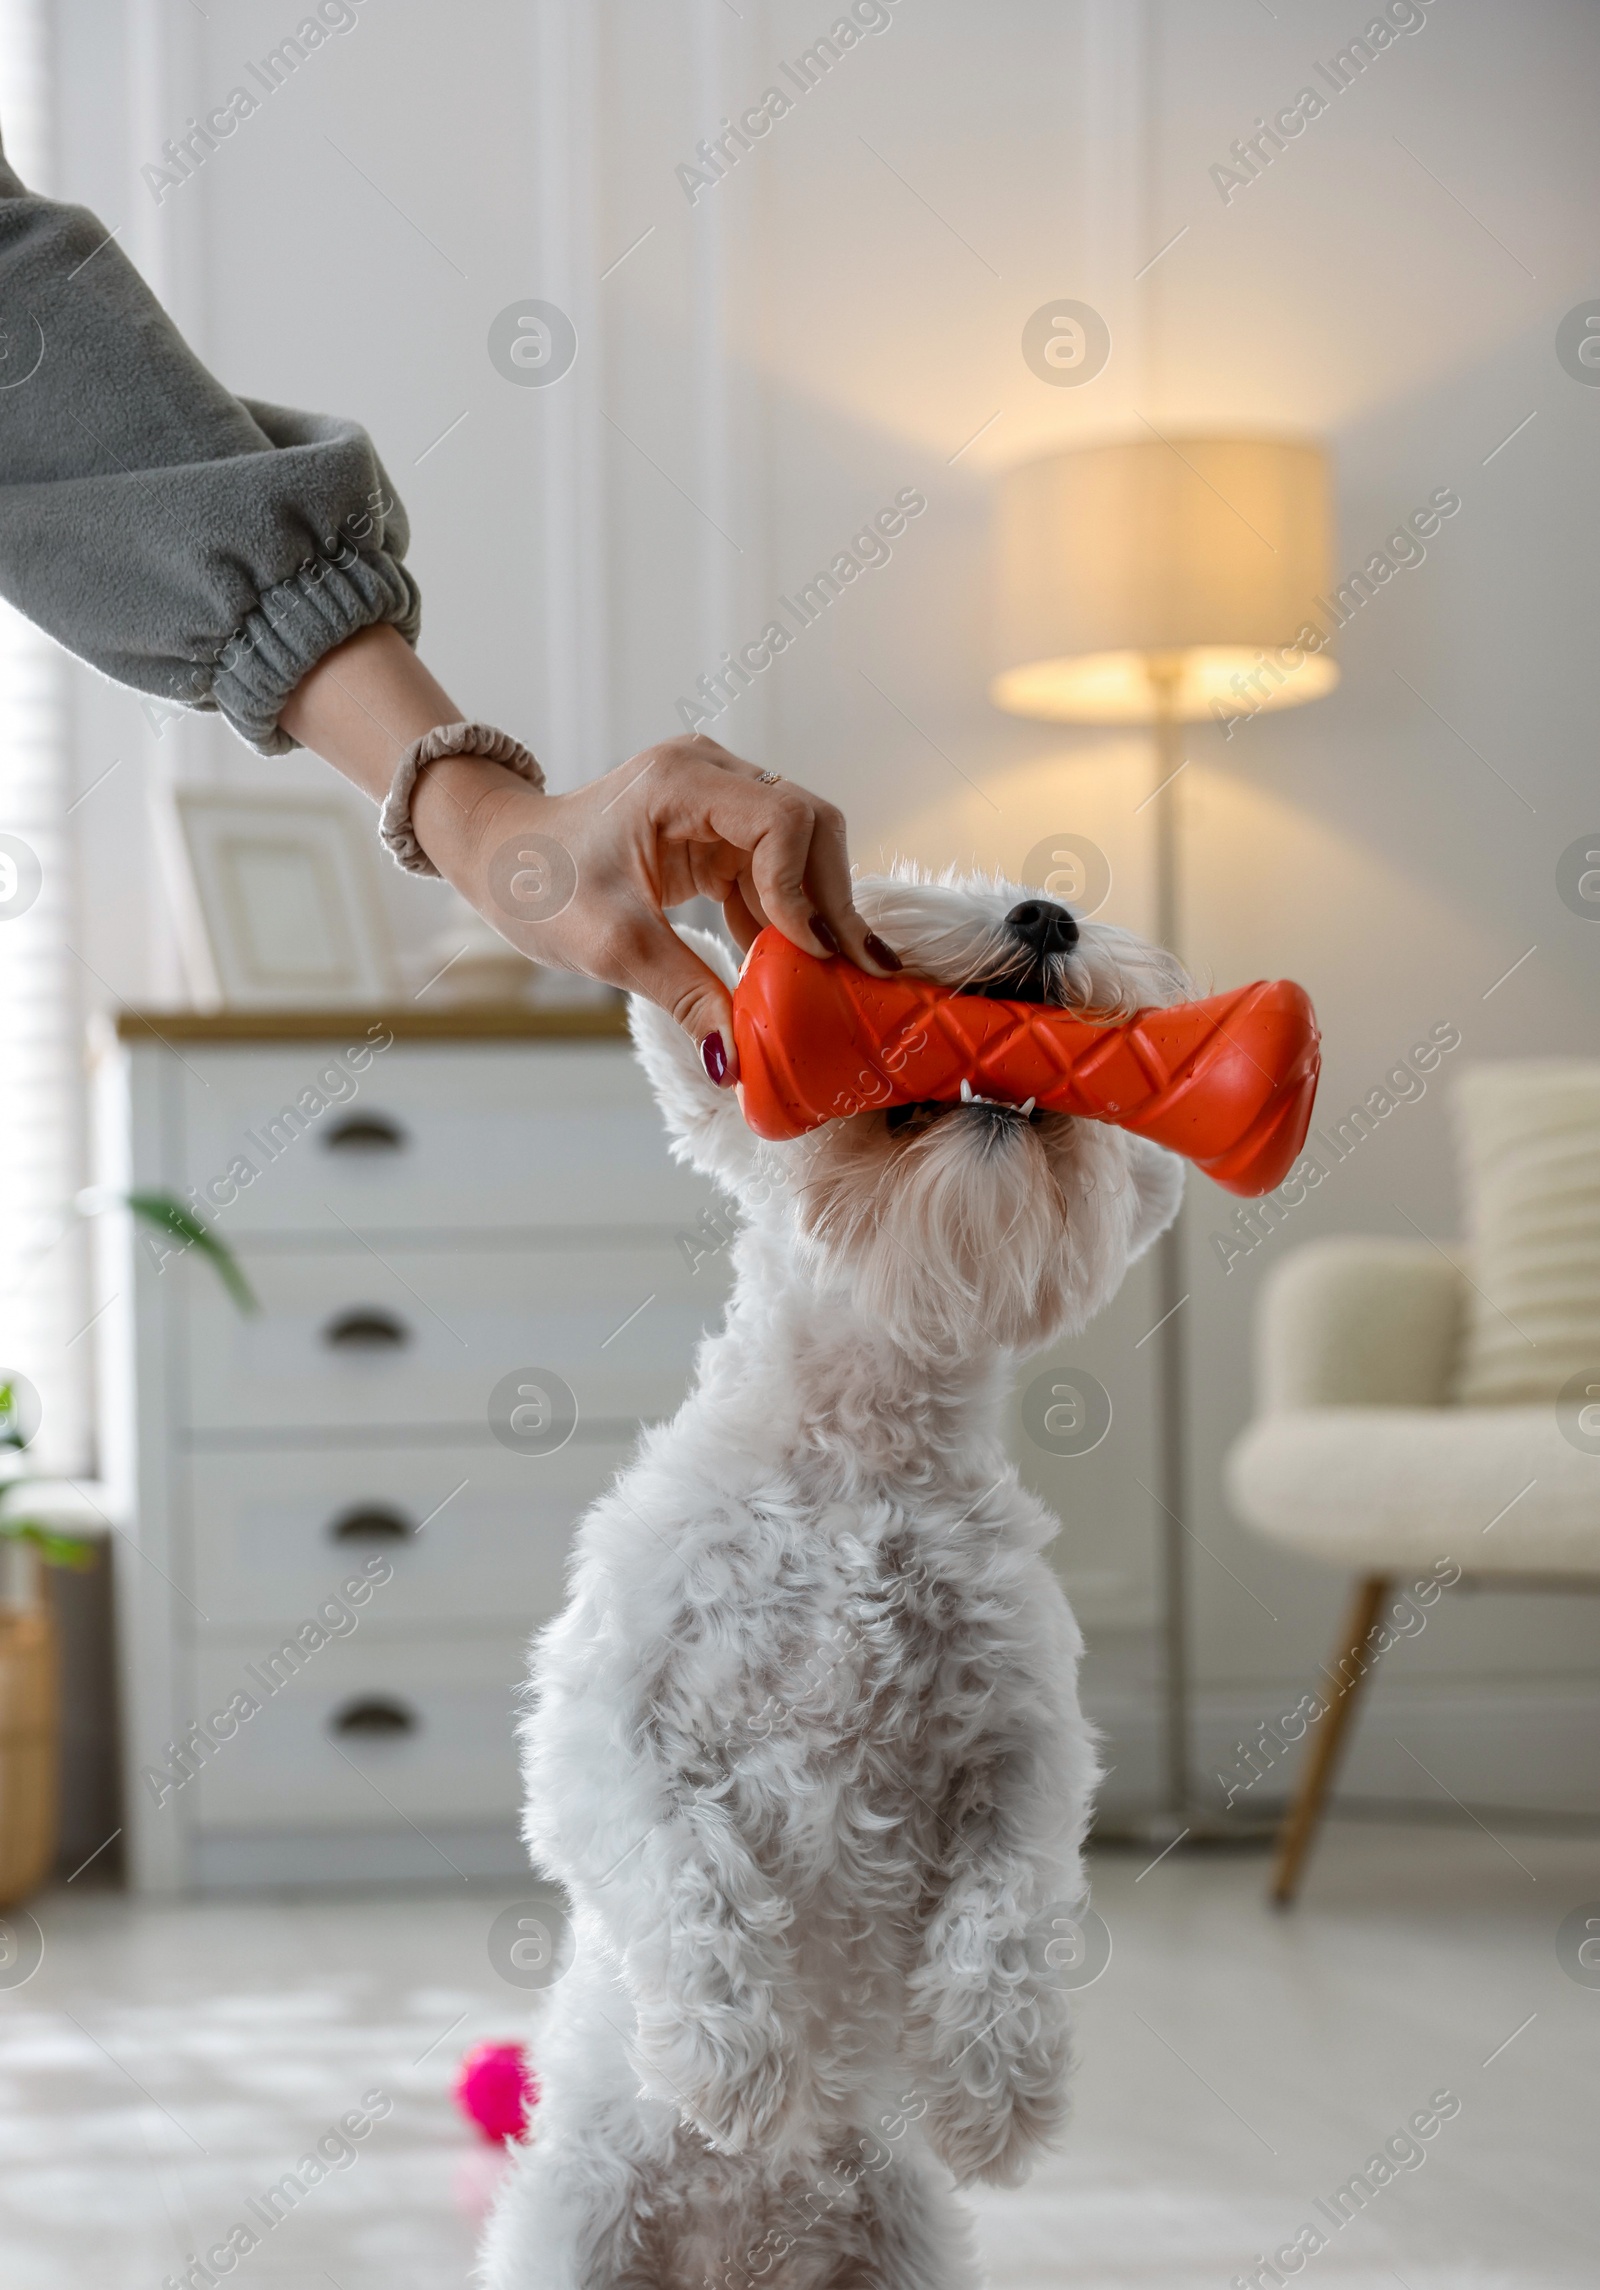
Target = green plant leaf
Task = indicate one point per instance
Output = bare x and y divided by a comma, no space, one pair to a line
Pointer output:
11,1436
170,1215
55,1548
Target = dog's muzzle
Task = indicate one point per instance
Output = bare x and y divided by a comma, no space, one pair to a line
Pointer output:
1038,929
997,1116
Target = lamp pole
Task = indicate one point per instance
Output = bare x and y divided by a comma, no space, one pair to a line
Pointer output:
1181,1813
1173,1474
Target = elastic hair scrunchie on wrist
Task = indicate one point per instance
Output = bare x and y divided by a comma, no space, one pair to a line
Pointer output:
395,831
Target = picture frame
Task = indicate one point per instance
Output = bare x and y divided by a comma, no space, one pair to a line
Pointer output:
287,891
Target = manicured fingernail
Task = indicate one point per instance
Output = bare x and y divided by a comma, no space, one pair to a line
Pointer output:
714,1057
884,956
823,933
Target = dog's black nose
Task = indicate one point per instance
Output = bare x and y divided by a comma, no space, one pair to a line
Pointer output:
1043,927
1038,929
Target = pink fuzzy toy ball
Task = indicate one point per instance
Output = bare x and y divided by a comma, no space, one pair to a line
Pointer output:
497,2090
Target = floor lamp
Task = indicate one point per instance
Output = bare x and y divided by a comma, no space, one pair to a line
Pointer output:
1162,582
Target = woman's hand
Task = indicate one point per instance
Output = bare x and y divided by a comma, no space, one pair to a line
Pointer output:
581,881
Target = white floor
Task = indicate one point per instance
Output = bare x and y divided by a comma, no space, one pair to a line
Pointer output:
165,2064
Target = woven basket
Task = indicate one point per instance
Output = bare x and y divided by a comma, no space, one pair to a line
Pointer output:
29,1734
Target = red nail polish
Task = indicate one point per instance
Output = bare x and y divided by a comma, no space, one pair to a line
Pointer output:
823,933
714,1057
884,956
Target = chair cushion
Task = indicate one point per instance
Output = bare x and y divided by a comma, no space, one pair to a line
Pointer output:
1355,1320
1499,1491
1530,1146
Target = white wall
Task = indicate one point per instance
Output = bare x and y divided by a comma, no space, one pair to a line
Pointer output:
832,322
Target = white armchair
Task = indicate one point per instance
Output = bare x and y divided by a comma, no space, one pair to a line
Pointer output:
1358,1456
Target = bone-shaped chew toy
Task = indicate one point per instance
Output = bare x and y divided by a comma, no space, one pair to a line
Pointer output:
1228,1082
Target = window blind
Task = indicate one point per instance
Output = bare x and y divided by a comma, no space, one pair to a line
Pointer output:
44,1306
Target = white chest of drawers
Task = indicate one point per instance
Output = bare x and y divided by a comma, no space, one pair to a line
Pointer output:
340,1534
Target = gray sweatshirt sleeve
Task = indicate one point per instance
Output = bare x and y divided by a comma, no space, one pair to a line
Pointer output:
203,548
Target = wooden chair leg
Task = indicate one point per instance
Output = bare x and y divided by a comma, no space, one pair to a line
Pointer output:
1304,1816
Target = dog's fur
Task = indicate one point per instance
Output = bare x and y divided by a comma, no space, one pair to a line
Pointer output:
805,1747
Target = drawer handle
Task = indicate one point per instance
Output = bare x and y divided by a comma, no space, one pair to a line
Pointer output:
371,1523
375,1718
366,1328
364,1133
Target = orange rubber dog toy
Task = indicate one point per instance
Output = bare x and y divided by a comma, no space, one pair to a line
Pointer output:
1227,1082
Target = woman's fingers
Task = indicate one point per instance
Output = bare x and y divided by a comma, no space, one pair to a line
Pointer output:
800,864
745,926
646,956
778,839
724,757
829,881
797,874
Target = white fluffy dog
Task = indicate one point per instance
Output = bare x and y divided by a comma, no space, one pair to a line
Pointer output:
805,1748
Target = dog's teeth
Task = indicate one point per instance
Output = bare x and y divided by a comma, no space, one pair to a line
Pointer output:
1028,1108
966,1093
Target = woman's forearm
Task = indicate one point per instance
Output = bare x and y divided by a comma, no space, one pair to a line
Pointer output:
362,706
364,703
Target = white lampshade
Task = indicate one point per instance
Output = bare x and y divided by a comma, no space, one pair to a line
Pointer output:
1145,578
